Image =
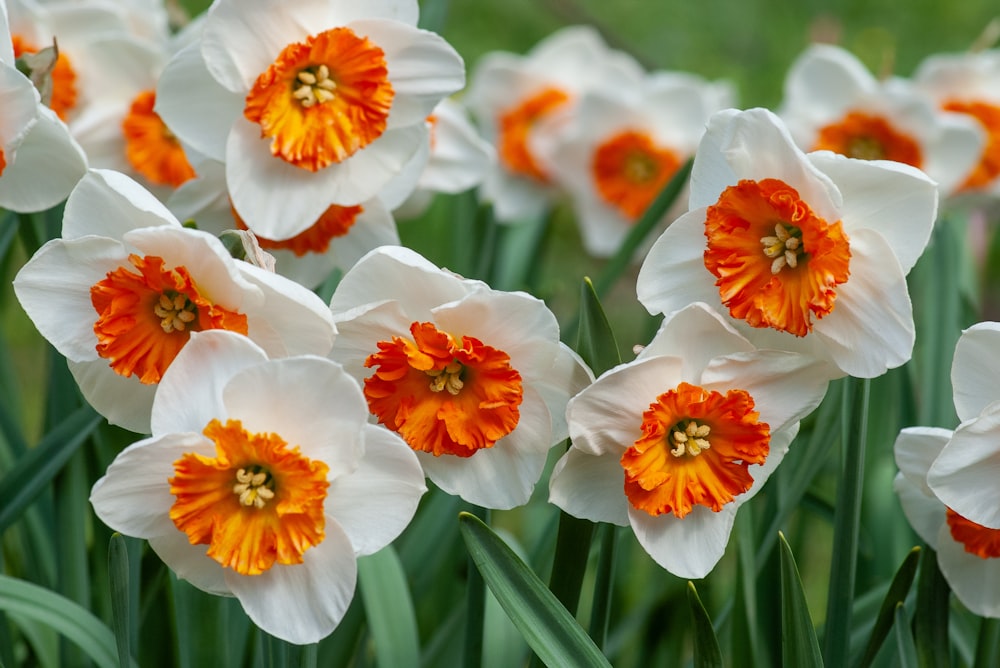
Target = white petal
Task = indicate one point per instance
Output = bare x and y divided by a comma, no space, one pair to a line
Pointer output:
975,369
133,496
915,449
696,334
49,163
925,513
375,502
954,150
109,204
515,198
824,82
459,157
20,104
358,336
897,200
975,581
590,487
871,327
606,417
125,402
302,603
191,562
190,392
194,105
965,473
688,547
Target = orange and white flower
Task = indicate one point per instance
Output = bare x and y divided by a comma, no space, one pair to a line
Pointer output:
520,102
475,380
121,291
673,442
969,83
964,475
617,153
262,480
968,553
309,103
807,253
832,102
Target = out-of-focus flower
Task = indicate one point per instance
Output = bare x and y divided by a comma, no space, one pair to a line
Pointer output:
969,83
807,253
833,102
338,239
616,154
520,102
308,104
121,291
475,380
968,554
964,475
675,441
459,159
262,480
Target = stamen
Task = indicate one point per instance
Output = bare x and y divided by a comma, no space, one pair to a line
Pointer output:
175,312
784,248
317,86
448,378
255,487
690,439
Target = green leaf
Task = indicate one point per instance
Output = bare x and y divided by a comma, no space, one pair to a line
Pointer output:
904,639
930,619
546,625
389,609
707,653
119,579
76,623
897,593
595,342
31,473
988,644
799,646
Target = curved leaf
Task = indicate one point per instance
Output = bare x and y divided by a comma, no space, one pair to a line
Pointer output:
897,593
798,637
707,653
389,609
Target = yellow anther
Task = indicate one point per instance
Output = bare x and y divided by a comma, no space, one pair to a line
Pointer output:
252,488
317,86
690,440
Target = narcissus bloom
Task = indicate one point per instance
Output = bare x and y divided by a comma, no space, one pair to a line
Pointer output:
964,475
675,441
520,101
616,154
832,102
969,83
475,380
121,291
262,480
309,103
968,553
807,253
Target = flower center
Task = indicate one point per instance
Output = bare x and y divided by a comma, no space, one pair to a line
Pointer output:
145,318
335,222
629,170
776,263
322,100
515,125
257,503
977,539
441,395
988,115
63,76
673,467
868,137
150,147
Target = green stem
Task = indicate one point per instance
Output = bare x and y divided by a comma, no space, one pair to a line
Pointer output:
988,644
475,604
930,619
847,520
603,585
570,562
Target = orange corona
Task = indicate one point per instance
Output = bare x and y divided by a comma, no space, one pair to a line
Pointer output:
441,395
335,222
145,318
869,137
515,125
776,262
977,539
322,100
257,503
64,93
150,147
629,171
695,449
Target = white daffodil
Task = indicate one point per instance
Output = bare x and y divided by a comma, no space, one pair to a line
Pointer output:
262,480
338,239
969,83
675,441
968,553
964,475
269,91
806,252
832,102
521,101
617,153
121,291
474,379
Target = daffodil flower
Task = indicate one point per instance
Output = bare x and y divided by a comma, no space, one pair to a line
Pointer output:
308,104
805,252
968,553
121,291
673,442
262,480
475,380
